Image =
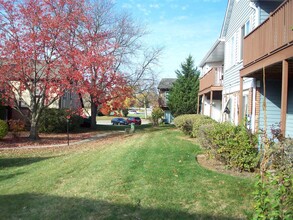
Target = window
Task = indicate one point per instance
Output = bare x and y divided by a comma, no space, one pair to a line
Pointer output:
232,50
245,30
166,97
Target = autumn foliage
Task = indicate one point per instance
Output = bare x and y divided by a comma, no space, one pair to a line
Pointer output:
49,47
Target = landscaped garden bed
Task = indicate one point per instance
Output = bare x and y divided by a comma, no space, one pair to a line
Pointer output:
10,141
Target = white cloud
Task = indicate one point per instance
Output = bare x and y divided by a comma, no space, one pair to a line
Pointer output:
127,6
156,6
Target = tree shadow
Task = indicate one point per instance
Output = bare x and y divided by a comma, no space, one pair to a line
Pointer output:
9,176
39,206
22,161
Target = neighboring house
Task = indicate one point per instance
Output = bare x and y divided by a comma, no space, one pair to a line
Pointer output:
211,82
164,87
268,59
69,100
241,18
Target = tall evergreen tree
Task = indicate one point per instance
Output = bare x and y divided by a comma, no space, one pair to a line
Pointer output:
183,95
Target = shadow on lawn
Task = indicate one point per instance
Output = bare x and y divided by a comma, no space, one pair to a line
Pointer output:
22,161
39,206
9,176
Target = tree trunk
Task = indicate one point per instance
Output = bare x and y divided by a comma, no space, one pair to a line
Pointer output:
93,115
145,108
34,133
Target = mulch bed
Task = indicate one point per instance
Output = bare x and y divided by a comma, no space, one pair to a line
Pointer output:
45,139
215,165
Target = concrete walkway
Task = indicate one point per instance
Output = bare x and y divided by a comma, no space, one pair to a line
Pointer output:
93,138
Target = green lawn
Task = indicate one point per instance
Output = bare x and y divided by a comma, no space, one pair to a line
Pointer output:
150,175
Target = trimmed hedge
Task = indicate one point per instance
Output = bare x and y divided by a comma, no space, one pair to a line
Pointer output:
3,129
190,123
233,145
55,120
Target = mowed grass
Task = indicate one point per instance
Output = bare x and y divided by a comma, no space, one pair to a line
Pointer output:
149,175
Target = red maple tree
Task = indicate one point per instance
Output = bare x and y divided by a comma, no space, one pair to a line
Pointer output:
98,61
38,51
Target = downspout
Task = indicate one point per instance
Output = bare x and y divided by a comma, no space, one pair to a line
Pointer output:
256,7
252,123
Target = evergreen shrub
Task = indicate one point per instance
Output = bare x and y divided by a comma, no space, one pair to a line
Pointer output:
55,120
16,126
157,114
234,145
190,123
3,129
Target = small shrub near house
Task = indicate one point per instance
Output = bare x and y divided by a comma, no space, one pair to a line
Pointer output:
3,129
200,121
273,196
55,120
234,145
190,123
16,126
157,114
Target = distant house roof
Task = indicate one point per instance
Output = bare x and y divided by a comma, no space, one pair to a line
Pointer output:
166,83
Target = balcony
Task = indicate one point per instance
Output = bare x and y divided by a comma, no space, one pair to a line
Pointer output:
272,36
163,99
211,81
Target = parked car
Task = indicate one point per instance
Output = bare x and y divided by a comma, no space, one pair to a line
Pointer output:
132,111
135,120
119,121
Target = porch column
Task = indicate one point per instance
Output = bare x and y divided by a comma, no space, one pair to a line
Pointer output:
284,98
240,101
202,104
211,103
197,107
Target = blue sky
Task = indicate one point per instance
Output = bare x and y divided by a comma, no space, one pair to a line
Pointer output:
182,27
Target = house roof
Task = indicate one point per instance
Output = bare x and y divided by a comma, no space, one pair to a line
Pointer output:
215,54
166,83
227,18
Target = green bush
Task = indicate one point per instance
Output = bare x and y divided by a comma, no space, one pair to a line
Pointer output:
190,123
3,129
202,134
16,126
273,195
55,120
157,114
201,121
233,145
125,112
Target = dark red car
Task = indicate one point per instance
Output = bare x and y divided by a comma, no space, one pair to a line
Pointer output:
135,120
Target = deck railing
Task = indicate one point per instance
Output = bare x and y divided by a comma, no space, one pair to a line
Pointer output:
211,78
273,34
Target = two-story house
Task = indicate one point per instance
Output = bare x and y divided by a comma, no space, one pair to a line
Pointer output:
268,59
241,18
164,87
211,82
